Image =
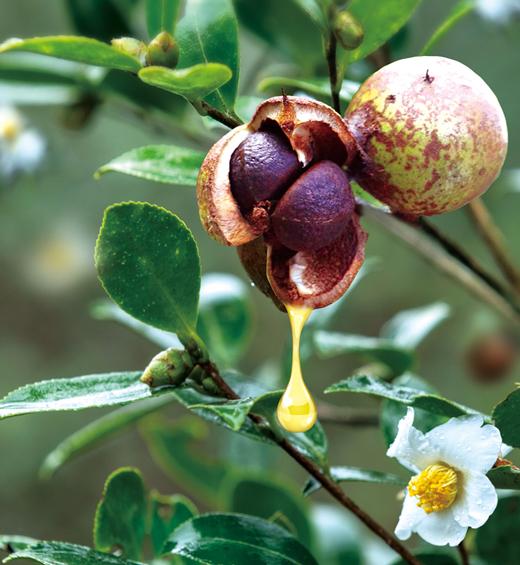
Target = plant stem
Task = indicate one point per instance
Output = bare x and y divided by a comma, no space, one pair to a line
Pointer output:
230,120
464,556
331,56
494,239
326,482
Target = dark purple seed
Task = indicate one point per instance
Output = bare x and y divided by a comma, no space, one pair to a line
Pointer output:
261,167
315,209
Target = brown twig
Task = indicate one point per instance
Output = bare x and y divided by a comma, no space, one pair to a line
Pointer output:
230,120
494,239
332,63
326,482
464,555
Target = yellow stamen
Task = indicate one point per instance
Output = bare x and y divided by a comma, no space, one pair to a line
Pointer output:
10,128
435,488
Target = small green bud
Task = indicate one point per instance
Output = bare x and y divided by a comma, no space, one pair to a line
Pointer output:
163,51
169,367
132,46
348,31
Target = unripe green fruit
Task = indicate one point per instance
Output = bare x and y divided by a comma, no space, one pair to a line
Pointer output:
348,31
432,135
315,210
163,51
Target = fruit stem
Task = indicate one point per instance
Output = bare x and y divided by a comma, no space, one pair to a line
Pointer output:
331,55
315,471
231,120
494,239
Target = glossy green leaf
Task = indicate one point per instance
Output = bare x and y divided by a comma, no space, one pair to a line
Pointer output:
457,12
505,476
72,48
319,87
255,494
192,82
380,21
403,394
76,393
392,412
107,310
497,541
507,418
120,520
224,322
15,542
160,163
177,448
237,538
408,328
99,430
208,33
355,474
61,553
148,263
331,344
314,10
161,15
101,19
166,514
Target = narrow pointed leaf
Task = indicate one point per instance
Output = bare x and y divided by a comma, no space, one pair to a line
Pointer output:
120,520
237,538
15,542
72,48
405,395
148,263
192,82
208,33
161,15
61,553
507,418
357,475
160,163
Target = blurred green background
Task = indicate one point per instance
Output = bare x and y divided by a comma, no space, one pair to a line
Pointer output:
48,225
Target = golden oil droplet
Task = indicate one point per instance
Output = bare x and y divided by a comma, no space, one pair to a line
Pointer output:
296,410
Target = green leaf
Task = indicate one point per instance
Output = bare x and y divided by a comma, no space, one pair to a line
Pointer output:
160,163
161,15
505,476
392,412
457,12
403,394
72,48
315,12
76,393
177,448
208,33
149,265
237,538
61,553
224,322
167,514
192,82
331,344
408,328
99,430
357,475
507,418
497,540
319,87
250,493
380,21
15,543
120,521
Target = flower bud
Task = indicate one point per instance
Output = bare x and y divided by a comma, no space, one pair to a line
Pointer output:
170,367
348,31
163,51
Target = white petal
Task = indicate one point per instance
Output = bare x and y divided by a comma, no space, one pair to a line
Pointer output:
410,446
476,502
411,516
465,444
441,528
505,450
29,150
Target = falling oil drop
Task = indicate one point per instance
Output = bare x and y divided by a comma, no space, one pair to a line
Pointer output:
296,410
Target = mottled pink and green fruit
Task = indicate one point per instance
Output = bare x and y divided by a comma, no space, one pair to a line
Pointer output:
431,135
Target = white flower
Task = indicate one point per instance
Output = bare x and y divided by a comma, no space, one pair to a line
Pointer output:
450,491
498,11
21,148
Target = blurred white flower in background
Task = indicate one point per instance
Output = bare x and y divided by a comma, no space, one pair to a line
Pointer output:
498,11
58,261
21,148
449,492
